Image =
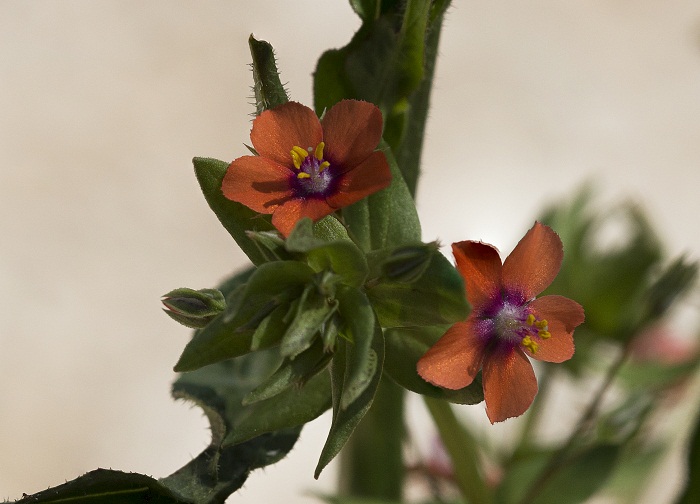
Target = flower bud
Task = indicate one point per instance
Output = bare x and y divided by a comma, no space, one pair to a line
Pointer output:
193,308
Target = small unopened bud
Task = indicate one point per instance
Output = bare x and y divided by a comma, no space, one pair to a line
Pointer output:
407,264
193,308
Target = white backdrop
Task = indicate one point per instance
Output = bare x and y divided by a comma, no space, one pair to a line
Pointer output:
104,103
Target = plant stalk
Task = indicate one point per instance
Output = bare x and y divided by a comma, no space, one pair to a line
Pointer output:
371,463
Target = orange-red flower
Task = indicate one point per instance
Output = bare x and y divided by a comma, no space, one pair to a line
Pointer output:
309,167
506,323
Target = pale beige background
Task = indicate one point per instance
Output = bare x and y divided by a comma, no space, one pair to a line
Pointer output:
104,103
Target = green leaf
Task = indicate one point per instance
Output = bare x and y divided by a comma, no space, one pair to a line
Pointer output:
231,334
387,218
313,310
224,466
108,487
294,372
339,256
390,61
366,9
293,406
238,219
362,361
267,87
436,298
404,347
345,420
610,282
573,481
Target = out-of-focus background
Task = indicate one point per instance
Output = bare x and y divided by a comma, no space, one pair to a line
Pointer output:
104,103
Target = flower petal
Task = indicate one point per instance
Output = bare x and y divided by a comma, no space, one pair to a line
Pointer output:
558,348
455,359
258,183
480,267
562,315
534,263
288,214
509,383
370,176
560,308
277,130
351,130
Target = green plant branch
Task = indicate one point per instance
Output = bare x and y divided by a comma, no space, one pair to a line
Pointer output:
561,457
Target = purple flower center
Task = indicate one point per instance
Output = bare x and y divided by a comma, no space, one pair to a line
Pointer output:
513,322
314,175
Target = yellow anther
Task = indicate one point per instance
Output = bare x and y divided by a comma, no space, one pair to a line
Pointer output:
529,344
544,334
530,319
323,166
319,151
303,175
541,324
298,156
300,151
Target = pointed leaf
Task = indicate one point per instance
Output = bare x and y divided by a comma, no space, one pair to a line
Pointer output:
387,218
362,361
345,420
221,468
267,87
291,373
311,313
238,219
105,486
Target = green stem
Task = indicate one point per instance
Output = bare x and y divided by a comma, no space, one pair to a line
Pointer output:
561,457
462,448
371,463
532,419
408,155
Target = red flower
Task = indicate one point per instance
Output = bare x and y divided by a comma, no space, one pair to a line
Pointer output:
506,323
307,167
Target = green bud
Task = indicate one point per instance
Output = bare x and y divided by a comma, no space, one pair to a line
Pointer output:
407,264
193,308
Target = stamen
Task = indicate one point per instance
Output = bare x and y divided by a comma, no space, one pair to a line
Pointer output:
319,150
529,344
323,166
530,319
303,175
541,324
544,334
298,156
